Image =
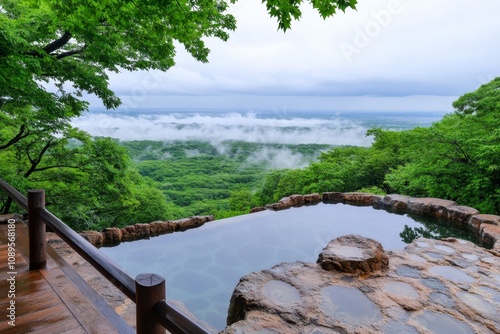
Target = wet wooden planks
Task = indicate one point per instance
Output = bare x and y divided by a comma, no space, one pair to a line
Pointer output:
48,300
38,308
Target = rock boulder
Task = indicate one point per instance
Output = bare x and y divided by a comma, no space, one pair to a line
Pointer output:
361,198
111,236
353,254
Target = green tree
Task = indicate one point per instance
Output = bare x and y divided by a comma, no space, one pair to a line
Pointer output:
89,182
341,169
267,192
457,158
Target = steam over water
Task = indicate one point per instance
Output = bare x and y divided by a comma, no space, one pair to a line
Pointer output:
330,128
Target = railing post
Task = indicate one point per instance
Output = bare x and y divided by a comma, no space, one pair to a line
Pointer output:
36,228
149,289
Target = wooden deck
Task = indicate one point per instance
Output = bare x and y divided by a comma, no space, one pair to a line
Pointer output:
51,300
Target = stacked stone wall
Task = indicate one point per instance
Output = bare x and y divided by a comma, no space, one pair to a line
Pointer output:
114,235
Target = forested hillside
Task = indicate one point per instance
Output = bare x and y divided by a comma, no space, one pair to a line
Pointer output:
90,183
221,179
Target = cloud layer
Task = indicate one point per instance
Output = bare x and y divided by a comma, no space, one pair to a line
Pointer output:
220,127
387,48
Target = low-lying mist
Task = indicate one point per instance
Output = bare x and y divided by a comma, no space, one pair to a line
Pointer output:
275,137
215,128
279,158
245,154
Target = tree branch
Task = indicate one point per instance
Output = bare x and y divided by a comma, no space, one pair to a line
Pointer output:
35,162
6,207
57,166
28,152
466,158
462,150
58,43
22,134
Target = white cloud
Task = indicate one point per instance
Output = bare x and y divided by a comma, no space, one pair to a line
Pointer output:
221,127
275,158
394,48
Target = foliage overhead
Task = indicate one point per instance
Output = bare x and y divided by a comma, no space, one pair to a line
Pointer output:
285,11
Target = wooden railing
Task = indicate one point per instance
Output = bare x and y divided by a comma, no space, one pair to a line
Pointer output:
153,313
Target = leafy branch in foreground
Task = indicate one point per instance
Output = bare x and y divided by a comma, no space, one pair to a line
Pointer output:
285,11
54,51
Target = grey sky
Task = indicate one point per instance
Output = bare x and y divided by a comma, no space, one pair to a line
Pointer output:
387,55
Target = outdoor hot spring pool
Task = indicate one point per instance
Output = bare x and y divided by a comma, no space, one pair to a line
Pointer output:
203,265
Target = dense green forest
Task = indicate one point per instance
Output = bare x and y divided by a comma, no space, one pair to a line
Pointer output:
92,183
54,53
219,179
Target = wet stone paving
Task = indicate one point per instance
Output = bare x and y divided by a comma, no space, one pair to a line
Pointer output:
432,286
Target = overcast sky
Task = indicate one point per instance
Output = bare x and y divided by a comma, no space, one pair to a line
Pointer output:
388,55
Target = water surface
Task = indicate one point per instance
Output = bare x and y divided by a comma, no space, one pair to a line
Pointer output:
203,265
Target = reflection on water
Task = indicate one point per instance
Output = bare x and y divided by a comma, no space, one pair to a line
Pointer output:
203,265
434,228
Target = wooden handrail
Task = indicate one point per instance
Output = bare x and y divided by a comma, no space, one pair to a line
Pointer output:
97,259
19,198
167,315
